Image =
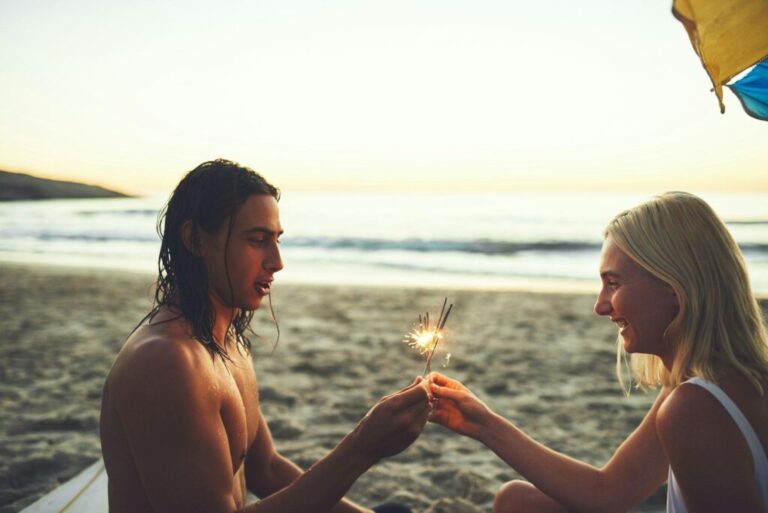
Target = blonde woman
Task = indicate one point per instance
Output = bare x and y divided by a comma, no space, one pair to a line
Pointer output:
675,283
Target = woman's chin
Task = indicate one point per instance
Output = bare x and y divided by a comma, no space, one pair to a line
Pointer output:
627,344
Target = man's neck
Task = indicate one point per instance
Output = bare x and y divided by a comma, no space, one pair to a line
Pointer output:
224,316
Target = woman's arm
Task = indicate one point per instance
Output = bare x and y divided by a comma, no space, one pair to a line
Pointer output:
636,469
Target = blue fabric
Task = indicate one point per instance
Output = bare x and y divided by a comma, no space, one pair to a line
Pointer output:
391,507
752,91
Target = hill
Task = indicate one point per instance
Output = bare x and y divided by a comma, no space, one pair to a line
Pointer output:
19,186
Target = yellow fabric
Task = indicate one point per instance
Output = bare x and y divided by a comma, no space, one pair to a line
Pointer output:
728,35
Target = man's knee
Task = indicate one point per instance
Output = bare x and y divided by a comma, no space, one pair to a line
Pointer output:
513,497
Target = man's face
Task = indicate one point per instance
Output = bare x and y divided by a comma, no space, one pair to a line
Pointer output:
252,255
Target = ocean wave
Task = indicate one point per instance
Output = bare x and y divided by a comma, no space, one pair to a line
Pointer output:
142,212
749,222
753,247
101,237
480,246
490,247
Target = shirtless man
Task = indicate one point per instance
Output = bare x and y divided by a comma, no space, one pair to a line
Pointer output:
181,426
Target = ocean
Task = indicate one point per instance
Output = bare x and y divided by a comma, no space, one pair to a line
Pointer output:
506,240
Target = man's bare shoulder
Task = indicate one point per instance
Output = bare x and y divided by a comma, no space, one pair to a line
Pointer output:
160,356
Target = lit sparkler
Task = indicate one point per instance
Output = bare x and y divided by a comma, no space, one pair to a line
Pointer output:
426,337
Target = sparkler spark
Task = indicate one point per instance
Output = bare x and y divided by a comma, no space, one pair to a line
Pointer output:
426,337
422,340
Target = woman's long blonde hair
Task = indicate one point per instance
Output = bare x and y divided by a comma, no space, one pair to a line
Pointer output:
678,238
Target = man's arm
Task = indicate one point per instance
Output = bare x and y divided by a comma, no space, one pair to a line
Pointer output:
267,471
387,429
179,443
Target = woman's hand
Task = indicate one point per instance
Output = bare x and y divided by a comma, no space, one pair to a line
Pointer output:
456,407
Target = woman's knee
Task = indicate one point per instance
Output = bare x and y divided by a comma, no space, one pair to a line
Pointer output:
522,497
513,497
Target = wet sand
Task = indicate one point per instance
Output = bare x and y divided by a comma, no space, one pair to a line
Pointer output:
542,360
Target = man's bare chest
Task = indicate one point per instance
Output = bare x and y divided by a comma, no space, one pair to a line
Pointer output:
240,409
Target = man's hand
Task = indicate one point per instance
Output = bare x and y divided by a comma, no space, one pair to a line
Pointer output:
394,422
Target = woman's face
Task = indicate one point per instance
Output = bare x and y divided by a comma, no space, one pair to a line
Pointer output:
639,303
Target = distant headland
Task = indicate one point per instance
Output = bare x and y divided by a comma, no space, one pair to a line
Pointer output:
19,186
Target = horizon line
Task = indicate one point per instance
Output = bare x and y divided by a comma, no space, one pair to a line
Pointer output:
523,185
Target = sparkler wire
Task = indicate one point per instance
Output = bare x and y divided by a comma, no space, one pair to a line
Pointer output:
435,335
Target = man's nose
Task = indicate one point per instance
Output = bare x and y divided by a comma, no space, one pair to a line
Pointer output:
274,262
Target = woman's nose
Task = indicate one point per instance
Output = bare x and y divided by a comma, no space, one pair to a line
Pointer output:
602,305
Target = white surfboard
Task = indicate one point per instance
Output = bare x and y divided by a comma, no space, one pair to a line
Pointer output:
84,493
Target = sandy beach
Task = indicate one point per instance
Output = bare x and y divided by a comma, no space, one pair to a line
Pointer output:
542,360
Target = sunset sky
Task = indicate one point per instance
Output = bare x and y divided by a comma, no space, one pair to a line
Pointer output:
362,95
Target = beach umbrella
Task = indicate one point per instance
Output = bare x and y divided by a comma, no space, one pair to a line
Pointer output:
752,90
729,36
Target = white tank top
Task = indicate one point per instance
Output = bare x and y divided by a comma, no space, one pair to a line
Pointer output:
675,502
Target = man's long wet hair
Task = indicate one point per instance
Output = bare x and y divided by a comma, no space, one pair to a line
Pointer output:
208,197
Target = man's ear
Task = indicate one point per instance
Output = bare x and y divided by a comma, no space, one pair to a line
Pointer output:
189,238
